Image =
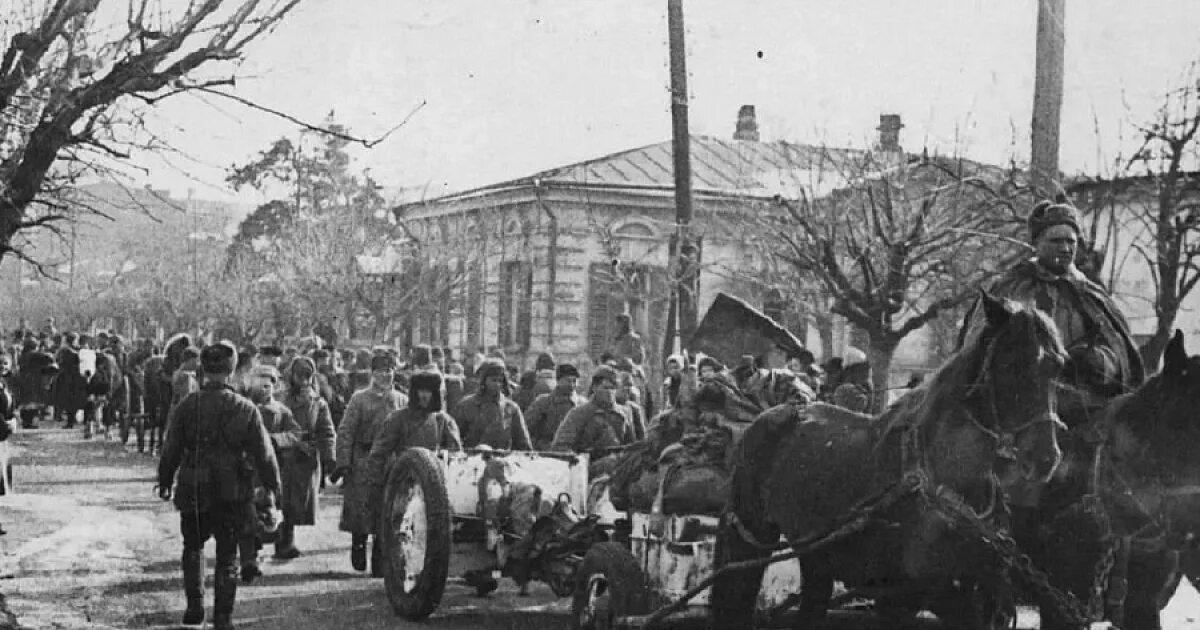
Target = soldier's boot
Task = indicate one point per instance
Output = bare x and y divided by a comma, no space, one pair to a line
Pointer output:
225,585
358,552
285,544
193,587
248,552
376,558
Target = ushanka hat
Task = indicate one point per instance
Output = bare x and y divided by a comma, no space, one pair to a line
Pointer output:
219,358
493,367
383,362
426,380
1047,214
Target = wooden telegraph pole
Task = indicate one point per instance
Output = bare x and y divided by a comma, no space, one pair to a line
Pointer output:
1047,97
683,250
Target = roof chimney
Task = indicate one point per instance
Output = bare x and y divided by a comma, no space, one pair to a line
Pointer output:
889,132
747,124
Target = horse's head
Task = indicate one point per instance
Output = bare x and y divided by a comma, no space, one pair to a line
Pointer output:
1155,439
87,363
1015,362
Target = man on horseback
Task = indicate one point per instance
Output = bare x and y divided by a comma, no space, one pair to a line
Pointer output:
1104,360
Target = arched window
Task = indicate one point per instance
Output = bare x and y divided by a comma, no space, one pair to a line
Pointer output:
634,229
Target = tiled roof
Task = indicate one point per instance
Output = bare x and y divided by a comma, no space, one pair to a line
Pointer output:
719,166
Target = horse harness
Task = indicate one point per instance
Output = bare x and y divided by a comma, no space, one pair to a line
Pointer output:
948,503
1110,585
1005,439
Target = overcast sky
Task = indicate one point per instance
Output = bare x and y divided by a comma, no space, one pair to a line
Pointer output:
513,87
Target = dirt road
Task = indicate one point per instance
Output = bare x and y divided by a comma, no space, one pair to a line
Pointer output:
90,546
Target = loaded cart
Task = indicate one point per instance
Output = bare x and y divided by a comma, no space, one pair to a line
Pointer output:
482,515
663,573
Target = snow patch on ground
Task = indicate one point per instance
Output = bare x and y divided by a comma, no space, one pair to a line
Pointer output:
93,540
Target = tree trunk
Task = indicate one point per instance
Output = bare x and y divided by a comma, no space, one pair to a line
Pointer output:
825,334
880,355
1153,349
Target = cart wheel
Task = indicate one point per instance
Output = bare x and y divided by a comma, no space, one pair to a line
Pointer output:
609,584
415,530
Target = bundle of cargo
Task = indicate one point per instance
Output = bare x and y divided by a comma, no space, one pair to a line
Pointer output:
683,464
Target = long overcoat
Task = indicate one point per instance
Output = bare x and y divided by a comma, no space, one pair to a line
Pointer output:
300,458
282,429
365,419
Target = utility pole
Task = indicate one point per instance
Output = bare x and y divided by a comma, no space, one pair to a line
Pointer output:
683,249
1047,97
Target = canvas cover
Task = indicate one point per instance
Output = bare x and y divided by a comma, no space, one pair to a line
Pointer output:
732,328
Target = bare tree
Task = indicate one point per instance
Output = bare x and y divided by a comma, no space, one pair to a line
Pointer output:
1161,190
71,88
895,242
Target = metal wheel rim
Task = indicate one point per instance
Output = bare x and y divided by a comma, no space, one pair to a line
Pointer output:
410,530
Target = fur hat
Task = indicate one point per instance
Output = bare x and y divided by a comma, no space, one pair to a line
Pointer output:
1047,214
265,371
493,367
565,370
383,362
304,363
426,380
219,358
422,355
602,373
545,361
710,362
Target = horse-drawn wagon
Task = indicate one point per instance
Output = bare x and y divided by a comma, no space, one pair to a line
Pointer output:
906,510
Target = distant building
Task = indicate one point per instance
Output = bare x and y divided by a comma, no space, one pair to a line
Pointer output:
550,259
1120,209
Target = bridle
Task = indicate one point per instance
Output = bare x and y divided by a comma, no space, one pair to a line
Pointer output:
1006,438
915,455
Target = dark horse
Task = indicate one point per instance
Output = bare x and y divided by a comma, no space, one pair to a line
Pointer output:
987,415
1140,456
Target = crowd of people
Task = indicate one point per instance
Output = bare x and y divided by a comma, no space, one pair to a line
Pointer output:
253,433
311,414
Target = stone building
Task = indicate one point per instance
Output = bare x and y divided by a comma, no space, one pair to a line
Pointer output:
548,260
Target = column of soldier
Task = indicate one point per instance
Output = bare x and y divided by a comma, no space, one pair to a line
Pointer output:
300,416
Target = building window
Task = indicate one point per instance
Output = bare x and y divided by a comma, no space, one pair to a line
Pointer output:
515,303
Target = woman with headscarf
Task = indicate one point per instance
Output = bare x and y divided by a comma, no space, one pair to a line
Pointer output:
301,461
